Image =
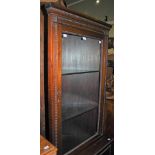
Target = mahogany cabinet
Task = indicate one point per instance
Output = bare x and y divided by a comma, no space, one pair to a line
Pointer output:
74,74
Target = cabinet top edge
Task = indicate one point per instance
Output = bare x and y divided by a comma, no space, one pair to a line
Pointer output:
51,8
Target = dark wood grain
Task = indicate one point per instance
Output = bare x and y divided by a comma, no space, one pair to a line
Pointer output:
42,96
102,98
54,71
110,118
78,17
58,2
100,147
46,148
58,21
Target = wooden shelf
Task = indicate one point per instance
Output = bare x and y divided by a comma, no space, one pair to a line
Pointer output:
74,108
80,55
70,72
79,129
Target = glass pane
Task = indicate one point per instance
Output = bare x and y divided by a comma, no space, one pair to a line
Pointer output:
78,129
79,93
80,90
80,55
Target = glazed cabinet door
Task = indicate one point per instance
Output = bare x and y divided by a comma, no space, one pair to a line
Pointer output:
75,70
80,89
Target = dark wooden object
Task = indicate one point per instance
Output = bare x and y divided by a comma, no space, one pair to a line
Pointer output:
73,127
42,96
58,2
46,148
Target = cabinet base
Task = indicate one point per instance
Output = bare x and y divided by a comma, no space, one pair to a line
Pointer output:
103,146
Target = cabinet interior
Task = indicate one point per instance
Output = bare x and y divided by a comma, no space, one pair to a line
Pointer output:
80,89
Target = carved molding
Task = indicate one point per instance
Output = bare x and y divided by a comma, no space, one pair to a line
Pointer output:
59,2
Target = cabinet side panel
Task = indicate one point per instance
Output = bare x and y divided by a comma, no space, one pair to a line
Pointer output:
42,97
102,117
54,81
